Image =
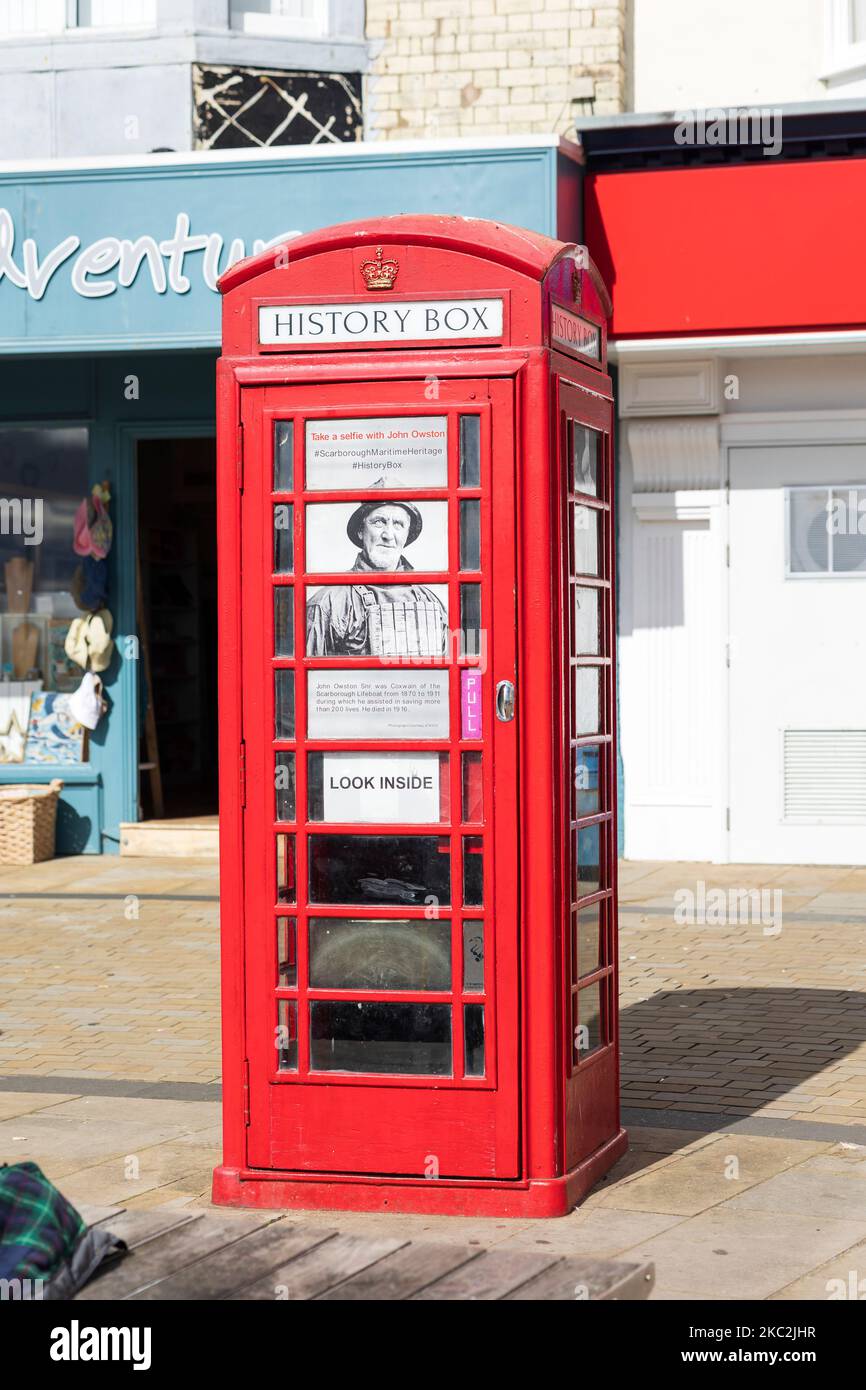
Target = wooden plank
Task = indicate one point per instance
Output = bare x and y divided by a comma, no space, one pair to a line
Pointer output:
166,1253
589,1280
493,1275
96,1215
236,1266
319,1270
402,1274
137,1226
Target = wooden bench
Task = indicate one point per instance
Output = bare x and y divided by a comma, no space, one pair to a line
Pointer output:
175,1253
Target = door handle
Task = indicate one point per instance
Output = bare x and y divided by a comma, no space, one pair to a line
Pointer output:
505,701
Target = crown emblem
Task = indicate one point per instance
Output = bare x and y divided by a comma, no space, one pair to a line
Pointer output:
379,274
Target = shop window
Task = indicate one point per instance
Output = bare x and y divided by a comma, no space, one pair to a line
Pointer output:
845,40
285,18
826,531
45,479
57,16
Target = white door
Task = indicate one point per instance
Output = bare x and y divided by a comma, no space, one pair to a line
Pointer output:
797,675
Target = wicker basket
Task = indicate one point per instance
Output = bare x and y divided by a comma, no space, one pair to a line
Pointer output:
28,814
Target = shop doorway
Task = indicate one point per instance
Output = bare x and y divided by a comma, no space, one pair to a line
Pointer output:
177,625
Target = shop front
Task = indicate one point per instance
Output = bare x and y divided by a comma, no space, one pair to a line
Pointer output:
109,326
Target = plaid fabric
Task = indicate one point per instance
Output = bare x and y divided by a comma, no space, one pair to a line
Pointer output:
39,1229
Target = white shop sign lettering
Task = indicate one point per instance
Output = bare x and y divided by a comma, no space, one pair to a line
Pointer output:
406,321
111,263
370,787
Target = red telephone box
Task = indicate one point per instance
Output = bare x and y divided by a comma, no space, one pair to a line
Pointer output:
417,757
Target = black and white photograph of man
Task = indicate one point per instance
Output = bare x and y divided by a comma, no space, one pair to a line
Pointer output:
368,619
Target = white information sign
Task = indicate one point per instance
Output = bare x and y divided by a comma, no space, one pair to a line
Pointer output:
381,787
400,321
389,451
391,703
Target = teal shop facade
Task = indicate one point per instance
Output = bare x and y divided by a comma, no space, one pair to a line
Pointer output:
109,331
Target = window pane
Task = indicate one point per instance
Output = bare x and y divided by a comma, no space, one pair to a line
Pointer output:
284,704
470,451
284,786
473,870
348,953
387,869
470,535
403,1039
848,524
586,700
412,788
50,466
383,620
470,619
287,952
473,790
809,540
586,548
587,846
473,1039
283,538
283,445
585,444
586,631
588,1035
284,621
473,957
587,801
287,1035
589,952
286,882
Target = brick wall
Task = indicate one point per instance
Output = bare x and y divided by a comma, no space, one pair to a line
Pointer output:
492,67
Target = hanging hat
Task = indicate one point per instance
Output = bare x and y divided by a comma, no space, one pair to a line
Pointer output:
86,704
353,525
99,644
91,529
75,645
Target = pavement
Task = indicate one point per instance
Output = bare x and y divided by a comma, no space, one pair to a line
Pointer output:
744,1067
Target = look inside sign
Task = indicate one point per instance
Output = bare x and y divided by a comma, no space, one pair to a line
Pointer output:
382,787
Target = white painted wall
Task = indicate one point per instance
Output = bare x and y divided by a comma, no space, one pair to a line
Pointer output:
691,54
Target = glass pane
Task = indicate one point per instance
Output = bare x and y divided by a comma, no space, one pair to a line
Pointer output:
284,621
283,538
287,952
387,1039
587,800
373,451
388,869
586,631
588,1027
587,843
348,953
284,704
284,786
470,619
470,451
377,537
586,700
384,620
589,952
287,1035
808,540
473,1039
473,957
283,445
585,445
286,882
473,871
586,548
470,535
848,525
473,791
367,787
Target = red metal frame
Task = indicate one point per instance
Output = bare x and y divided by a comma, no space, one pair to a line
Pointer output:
532,1135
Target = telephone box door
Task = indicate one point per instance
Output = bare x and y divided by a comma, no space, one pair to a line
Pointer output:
380,756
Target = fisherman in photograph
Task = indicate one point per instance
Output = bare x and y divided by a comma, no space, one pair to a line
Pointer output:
378,619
